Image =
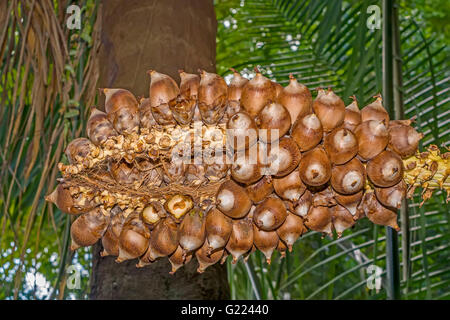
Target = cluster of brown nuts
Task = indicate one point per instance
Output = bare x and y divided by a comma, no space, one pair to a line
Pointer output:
273,164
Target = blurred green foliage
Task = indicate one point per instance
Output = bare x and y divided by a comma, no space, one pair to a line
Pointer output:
433,15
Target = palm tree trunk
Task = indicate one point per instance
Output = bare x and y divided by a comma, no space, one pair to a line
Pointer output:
166,36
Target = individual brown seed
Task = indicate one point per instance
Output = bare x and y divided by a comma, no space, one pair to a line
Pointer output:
307,132
110,240
212,97
218,229
348,178
133,239
320,219
163,89
291,229
404,140
184,105
296,98
265,241
87,229
207,258
342,219
163,241
232,200
67,203
270,214
329,108
122,109
392,196
241,131
78,149
98,127
315,167
261,189
377,213
241,239
257,93
372,137
275,122
375,111
246,167
192,230
352,116
284,157
341,145
385,170
290,187
234,93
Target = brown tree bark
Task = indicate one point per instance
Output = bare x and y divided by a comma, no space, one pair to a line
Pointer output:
166,36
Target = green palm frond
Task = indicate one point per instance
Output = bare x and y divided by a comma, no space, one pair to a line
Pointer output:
327,43
47,84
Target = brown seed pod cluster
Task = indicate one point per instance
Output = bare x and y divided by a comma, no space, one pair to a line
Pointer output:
204,169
